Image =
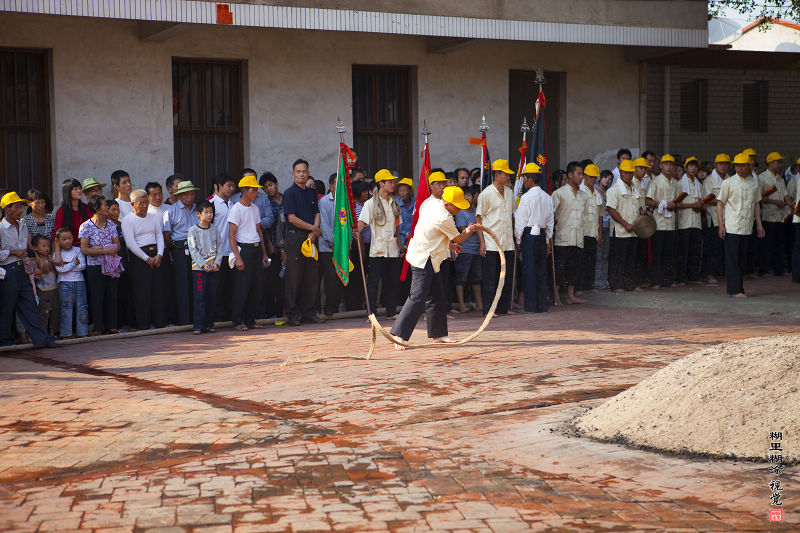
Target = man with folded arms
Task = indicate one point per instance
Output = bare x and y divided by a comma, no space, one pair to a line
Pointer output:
568,206
533,228
773,212
712,244
660,195
623,201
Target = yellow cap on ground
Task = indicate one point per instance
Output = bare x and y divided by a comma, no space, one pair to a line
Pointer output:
774,156
592,170
639,162
249,181
692,159
406,181
437,176
741,159
626,166
501,165
666,158
309,250
532,168
722,158
10,198
384,175
749,152
455,196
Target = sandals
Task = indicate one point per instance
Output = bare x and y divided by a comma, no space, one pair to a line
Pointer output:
241,327
443,340
196,332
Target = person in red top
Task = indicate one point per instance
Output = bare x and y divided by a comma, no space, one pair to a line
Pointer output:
72,213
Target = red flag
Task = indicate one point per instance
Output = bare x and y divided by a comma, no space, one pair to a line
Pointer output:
423,191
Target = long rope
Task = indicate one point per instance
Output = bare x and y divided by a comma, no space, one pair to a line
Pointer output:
376,327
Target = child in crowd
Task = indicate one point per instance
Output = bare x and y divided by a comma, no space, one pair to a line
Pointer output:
46,284
468,264
71,286
204,247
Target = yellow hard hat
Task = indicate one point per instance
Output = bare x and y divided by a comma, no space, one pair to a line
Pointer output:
722,158
455,196
249,181
384,175
592,170
532,168
741,159
638,162
626,166
308,249
406,181
10,198
666,158
692,159
774,156
501,165
749,152
437,176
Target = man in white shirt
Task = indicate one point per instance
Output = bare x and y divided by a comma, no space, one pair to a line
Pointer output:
435,236
622,155
121,183
533,229
568,205
773,211
660,195
247,246
623,201
224,187
495,211
381,214
592,226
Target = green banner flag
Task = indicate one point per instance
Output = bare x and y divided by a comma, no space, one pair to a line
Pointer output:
342,224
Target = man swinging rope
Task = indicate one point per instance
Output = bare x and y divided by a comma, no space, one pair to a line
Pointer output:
434,236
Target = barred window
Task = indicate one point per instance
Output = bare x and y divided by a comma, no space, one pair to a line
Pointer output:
694,105
754,106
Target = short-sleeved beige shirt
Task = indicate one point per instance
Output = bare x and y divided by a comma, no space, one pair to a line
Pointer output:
708,188
689,218
623,199
662,189
771,212
432,235
739,196
568,207
591,211
497,212
383,242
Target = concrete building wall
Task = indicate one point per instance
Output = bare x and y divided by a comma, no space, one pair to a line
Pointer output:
647,13
112,93
725,130
776,38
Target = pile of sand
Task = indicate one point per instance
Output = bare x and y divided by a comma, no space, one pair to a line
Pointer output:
721,401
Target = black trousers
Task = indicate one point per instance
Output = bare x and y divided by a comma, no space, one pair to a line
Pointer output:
102,298
222,311
301,278
334,290
204,286
491,277
622,263
771,249
589,260
712,252
16,293
534,271
247,285
663,258
148,291
386,270
274,287
690,245
641,269
569,260
428,296
736,251
181,270
796,253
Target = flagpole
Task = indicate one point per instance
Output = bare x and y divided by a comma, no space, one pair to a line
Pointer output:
341,128
483,128
524,129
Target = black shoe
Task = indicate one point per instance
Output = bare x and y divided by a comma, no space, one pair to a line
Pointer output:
314,320
51,344
294,322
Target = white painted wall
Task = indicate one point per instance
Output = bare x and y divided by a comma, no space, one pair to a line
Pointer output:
776,38
112,93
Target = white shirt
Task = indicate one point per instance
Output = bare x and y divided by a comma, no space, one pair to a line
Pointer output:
12,238
70,271
568,206
125,208
246,219
221,209
497,213
383,242
432,235
153,210
143,231
535,211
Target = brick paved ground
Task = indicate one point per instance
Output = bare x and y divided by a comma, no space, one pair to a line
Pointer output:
176,433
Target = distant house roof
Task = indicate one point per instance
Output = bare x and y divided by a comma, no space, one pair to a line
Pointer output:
780,22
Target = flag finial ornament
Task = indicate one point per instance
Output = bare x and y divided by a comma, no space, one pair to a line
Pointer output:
540,77
340,127
425,130
484,127
525,128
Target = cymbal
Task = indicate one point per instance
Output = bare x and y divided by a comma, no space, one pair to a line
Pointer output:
644,227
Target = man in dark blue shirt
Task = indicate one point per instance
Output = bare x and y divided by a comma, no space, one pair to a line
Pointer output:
302,273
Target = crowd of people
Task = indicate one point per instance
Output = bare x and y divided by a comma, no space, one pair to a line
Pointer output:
111,258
